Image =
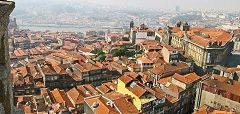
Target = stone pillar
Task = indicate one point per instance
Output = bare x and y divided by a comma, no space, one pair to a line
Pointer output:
6,98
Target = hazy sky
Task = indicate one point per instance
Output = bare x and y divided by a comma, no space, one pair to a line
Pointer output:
151,4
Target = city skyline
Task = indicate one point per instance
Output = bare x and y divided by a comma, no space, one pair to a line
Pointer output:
119,57
145,4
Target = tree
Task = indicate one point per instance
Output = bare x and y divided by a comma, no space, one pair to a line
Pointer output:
125,39
130,53
101,58
139,52
123,52
100,55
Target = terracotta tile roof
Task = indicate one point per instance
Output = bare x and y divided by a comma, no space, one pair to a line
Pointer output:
149,42
101,107
213,35
207,35
137,90
121,43
86,67
133,75
34,51
146,77
171,99
232,70
203,110
42,49
53,68
103,89
175,29
159,62
121,104
209,110
118,66
167,68
19,53
68,48
48,70
125,79
144,60
158,93
112,85
115,95
76,96
220,78
26,103
165,80
151,47
135,66
84,49
153,55
61,97
88,89
169,48
38,57
180,33
125,106
224,86
23,75
175,88
186,79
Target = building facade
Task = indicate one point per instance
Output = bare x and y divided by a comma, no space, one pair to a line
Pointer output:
142,32
218,92
208,47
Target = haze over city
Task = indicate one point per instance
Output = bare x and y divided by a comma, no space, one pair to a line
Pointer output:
129,4
119,57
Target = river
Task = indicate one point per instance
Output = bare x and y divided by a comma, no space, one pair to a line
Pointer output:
66,28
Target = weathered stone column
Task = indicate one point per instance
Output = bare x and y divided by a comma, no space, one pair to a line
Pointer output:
6,98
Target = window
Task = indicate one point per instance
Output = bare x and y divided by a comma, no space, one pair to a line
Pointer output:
150,33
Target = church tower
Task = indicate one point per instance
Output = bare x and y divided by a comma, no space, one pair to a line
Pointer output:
131,24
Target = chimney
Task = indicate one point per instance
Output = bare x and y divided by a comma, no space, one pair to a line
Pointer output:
95,105
110,103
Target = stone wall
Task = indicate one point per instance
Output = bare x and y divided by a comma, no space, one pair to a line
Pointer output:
217,101
6,98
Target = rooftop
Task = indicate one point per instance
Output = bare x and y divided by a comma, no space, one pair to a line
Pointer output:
207,37
111,103
227,85
186,79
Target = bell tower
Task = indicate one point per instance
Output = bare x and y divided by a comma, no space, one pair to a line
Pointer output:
131,24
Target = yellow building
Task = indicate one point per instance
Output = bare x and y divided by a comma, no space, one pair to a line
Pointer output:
142,98
177,40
